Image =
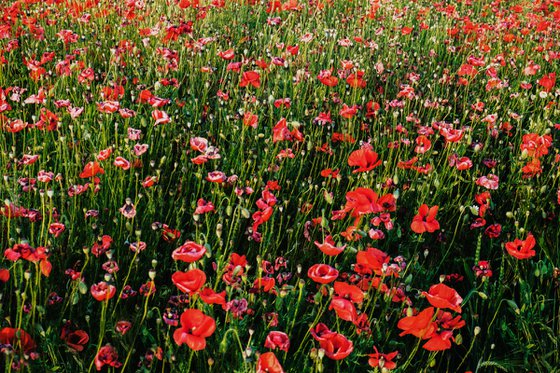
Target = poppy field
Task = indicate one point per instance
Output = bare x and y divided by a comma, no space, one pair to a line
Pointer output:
279,186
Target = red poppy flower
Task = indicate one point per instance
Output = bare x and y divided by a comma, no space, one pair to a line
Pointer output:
102,291
227,54
373,260
439,341
276,339
122,163
325,77
535,145
425,220
322,273
76,340
91,169
209,296
190,281
268,363
250,78
489,182
350,292
265,284
532,168
189,252
382,361
364,159
522,249
548,82
321,332
107,355
195,328
442,296
250,119
17,337
160,117
362,201
420,326
216,177
337,346
329,247
4,274
123,326
348,111
344,309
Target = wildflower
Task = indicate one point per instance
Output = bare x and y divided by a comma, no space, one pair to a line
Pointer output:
328,247
482,269
190,281
337,346
322,273
189,252
276,339
425,220
268,363
195,328
17,337
91,169
522,249
420,325
74,339
365,159
102,291
382,361
123,326
252,78
442,296
107,355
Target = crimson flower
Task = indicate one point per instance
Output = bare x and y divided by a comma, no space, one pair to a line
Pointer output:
442,296
372,260
344,309
321,332
439,341
522,249
102,291
91,169
123,326
190,281
107,355
425,220
364,159
328,247
189,252
17,337
195,328
276,339
548,82
4,274
382,361
74,339
268,363
420,326
322,273
209,296
350,292
337,346
362,201
250,78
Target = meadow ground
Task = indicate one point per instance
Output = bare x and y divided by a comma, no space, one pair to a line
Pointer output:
298,186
